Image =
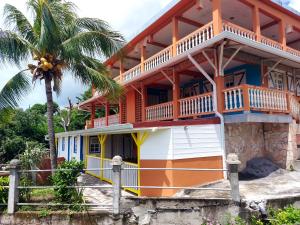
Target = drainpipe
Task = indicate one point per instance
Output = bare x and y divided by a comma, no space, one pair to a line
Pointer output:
218,114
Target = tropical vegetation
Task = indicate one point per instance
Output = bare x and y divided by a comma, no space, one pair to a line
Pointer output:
54,40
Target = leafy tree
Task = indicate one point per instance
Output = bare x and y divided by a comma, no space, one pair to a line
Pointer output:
56,41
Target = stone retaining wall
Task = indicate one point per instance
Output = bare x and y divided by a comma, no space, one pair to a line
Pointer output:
276,141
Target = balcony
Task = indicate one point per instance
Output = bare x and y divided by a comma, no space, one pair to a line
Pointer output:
101,122
193,40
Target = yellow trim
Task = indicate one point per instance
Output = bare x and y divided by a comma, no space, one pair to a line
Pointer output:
102,138
139,139
93,156
92,174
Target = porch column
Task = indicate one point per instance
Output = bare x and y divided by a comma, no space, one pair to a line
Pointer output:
144,101
93,115
143,57
121,70
282,33
120,110
106,113
219,80
102,139
175,36
176,95
217,16
256,22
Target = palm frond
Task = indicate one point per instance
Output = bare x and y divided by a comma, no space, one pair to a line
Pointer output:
14,49
95,38
19,23
15,88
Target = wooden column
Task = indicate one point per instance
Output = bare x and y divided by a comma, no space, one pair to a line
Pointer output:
120,110
219,80
143,57
121,70
93,112
93,90
246,98
282,33
217,16
144,101
175,36
106,113
176,95
256,22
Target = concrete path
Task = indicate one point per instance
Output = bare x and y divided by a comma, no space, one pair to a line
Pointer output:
100,196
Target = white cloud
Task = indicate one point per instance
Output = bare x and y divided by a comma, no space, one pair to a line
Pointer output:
295,4
125,16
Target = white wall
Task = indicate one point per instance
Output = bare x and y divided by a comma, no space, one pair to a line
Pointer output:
71,149
182,142
196,141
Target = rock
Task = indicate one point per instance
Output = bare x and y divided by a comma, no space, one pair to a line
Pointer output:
257,168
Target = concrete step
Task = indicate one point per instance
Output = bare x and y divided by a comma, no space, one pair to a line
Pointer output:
297,165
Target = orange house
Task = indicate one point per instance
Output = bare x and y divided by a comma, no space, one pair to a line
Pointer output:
204,79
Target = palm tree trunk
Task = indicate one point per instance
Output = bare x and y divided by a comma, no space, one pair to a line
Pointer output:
53,155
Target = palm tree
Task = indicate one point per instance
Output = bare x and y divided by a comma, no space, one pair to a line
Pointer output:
55,40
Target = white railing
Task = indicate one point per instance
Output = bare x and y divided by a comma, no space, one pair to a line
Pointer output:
240,31
101,122
293,51
130,175
93,162
194,39
107,174
196,105
267,100
162,111
233,99
271,43
133,72
157,59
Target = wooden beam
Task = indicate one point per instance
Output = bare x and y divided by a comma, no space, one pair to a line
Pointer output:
132,58
191,73
189,21
217,16
155,43
274,22
293,42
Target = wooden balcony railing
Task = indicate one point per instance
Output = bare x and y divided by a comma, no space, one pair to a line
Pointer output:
294,107
101,122
194,39
196,105
238,30
247,97
158,59
133,72
162,111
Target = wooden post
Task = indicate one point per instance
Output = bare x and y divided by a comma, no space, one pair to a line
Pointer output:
121,70
246,98
282,33
256,22
143,57
175,36
176,95
144,101
217,16
120,110
93,112
219,80
93,90
106,113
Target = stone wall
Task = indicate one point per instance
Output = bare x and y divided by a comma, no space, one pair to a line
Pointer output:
276,141
244,139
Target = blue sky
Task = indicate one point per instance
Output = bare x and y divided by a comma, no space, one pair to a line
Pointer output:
125,16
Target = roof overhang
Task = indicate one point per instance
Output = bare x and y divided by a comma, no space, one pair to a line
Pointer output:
112,129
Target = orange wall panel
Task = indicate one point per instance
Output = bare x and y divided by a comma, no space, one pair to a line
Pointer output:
178,178
130,104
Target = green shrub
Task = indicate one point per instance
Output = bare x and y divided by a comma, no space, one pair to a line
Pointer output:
4,181
287,216
64,178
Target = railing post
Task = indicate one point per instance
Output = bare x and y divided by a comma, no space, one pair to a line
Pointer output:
13,193
246,98
233,165
116,163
